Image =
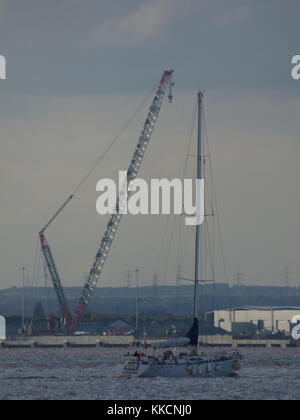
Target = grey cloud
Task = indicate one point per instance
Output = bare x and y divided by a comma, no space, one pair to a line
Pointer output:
146,22
237,14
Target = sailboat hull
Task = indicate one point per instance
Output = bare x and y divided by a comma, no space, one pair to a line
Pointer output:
182,368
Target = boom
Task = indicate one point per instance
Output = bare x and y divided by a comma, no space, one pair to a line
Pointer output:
114,220
55,277
65,313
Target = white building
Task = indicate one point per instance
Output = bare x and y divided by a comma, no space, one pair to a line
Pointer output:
2,328
273,319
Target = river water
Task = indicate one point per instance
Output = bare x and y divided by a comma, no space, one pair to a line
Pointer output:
80,374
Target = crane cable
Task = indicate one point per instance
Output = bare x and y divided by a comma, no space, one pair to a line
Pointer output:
109,147
101,157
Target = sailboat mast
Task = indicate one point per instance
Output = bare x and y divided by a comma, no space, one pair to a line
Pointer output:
200,175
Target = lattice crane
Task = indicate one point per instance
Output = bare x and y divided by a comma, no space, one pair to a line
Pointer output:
71,322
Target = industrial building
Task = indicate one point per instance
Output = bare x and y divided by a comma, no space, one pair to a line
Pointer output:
272,319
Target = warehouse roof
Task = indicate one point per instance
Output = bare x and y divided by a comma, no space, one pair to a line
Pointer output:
262,308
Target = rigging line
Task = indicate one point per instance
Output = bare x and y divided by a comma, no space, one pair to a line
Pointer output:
169,250
166,248
210,198
159,259
189,141
210,238
164,252
216,207
184,169
179,244
187,244
181,175
161,254
209,245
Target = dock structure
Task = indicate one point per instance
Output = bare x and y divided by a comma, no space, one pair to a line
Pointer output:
86,341
229,341
65,341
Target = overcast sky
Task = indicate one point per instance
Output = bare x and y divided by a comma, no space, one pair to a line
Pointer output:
76,71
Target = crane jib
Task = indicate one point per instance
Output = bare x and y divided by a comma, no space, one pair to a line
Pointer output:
114,220
64,308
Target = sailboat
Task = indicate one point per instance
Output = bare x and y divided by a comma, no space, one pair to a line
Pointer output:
178,364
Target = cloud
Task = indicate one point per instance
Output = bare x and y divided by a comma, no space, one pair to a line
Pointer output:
237,14
152,19
143,24
2,5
